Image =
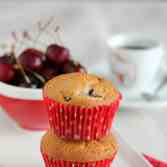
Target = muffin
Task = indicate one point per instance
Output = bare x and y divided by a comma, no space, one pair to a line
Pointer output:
81,106
59,152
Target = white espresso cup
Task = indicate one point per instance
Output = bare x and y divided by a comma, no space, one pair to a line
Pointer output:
135,60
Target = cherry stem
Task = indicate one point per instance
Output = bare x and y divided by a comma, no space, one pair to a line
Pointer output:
26,35
17,40
51,35
38,76
26,78
57,30
43,28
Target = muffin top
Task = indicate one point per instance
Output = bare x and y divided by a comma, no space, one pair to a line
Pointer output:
78,151
81,89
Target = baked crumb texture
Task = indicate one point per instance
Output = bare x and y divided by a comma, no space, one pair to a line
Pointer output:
78,151
81,89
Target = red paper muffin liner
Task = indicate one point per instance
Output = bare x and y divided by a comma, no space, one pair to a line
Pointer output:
61,163
80,123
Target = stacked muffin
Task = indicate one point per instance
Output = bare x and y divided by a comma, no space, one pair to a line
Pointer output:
81,109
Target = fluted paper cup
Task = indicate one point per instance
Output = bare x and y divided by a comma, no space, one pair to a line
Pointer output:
61,163
78,122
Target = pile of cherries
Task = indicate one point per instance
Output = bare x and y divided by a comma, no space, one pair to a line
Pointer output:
34,67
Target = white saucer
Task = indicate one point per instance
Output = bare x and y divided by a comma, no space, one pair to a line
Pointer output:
138,102
135,101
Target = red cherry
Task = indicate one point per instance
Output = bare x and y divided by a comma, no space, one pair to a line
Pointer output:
7,58
72,66
4,59
6,72
32,59
57,54
80,68
49,72
68,67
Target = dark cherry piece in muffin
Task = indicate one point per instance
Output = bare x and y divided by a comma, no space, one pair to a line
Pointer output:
81,106
81,89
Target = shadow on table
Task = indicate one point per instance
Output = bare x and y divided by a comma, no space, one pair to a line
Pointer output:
8,127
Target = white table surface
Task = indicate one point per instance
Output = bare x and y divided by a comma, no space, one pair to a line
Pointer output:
18,148
85,29
146,132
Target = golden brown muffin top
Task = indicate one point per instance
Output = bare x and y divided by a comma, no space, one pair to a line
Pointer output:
80,151
81,89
